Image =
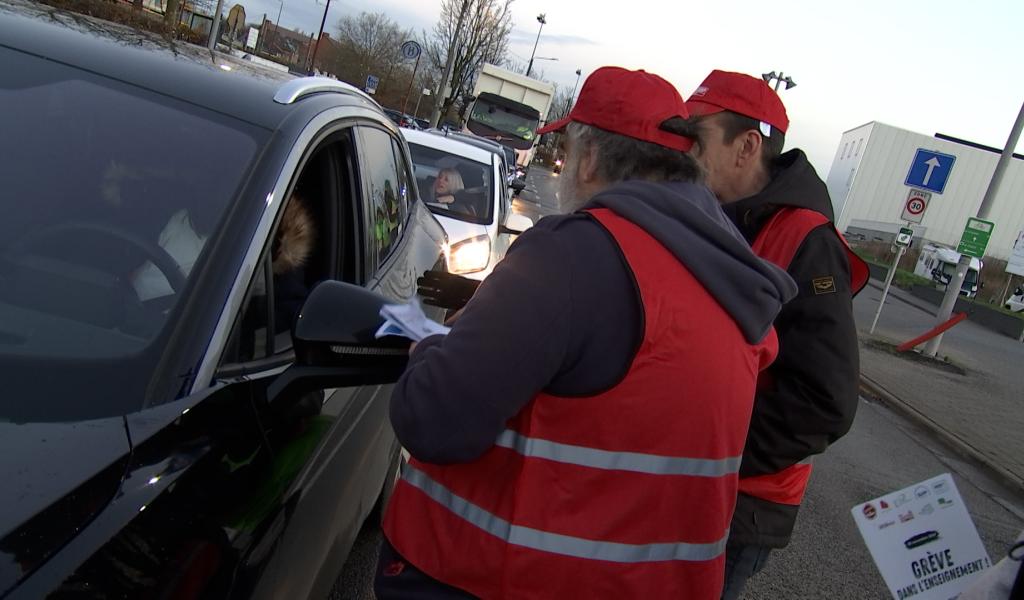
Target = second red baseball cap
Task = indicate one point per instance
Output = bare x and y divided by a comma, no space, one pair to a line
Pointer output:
629,103
741,94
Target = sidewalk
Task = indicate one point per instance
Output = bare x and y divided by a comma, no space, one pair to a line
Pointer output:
981,412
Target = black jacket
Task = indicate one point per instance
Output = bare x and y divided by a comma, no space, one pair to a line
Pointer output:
816,375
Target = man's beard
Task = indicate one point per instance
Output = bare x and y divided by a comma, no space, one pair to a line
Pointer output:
569,199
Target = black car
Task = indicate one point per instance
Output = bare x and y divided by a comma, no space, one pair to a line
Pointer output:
193,254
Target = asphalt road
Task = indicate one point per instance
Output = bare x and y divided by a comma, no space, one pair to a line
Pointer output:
827,558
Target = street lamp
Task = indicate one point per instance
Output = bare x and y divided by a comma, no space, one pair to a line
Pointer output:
779,80
568,103
542,19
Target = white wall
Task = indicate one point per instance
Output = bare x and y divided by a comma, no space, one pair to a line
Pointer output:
845,165
877,193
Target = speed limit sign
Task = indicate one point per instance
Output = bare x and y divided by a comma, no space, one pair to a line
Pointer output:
917,203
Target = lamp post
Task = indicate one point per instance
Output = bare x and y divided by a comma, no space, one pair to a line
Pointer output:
568,103
779,80
542,19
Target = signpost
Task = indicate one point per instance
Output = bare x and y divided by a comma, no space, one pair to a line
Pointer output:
372,81
917,203
254,36
904,236
975,238
922,540
930,170
411,50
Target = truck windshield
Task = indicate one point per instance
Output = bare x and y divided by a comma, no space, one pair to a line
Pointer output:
500,118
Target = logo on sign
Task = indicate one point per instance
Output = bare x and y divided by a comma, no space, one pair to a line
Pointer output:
907,516
921,491
870,512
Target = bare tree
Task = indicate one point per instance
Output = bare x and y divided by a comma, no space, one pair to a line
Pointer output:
484,39
372,43
559,103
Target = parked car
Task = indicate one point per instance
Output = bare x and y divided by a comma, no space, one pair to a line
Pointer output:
422,123
463,185
401,119
193,254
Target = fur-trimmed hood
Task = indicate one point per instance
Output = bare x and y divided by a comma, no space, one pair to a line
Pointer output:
295,237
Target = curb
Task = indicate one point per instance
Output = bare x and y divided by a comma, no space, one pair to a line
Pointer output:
954,442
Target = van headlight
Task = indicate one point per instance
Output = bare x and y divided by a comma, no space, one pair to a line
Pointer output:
470,256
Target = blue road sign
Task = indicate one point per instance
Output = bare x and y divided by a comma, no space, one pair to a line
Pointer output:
372,81
930,170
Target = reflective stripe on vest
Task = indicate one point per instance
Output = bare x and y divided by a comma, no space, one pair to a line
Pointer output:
555,543
778,241
635,462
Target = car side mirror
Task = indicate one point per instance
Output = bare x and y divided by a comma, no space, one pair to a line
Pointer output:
516,224
335,342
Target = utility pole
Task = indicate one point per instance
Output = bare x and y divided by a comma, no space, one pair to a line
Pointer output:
312,63
215,27
449,63
955,283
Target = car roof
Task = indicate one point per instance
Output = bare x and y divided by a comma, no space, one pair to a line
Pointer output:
213,80
451,145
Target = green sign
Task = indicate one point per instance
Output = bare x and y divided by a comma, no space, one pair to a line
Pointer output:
904,236
975,237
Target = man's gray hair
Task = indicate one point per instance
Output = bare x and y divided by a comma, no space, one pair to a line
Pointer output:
621,158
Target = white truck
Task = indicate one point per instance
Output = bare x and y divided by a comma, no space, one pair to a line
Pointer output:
508,109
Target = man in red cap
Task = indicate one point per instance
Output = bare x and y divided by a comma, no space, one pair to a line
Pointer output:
807,399
577,433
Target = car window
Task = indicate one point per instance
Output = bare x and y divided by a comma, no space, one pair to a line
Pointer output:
111,195
310,241
454,186
386,203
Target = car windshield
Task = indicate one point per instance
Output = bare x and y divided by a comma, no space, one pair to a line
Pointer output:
454,186
111,195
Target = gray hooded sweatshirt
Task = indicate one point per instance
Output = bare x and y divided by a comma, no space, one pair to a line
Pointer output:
561,314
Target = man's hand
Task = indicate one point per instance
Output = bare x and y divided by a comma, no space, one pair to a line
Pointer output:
438,288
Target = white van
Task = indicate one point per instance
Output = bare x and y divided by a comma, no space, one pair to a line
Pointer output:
938,263
465,187
1016,301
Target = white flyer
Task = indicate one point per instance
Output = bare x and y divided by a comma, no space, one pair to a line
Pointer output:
922,540
409,320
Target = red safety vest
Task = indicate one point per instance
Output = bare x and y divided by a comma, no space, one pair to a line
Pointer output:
778,242
626,494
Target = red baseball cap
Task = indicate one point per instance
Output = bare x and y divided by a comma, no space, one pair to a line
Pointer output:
741,94
629,103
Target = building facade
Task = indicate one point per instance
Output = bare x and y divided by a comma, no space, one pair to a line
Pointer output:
868,190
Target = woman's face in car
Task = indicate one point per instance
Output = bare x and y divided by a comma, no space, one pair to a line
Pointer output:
444,184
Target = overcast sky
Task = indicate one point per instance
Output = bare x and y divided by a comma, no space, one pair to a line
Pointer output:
926,65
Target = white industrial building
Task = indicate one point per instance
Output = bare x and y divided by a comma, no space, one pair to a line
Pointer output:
867,183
